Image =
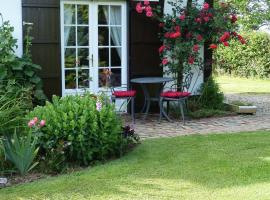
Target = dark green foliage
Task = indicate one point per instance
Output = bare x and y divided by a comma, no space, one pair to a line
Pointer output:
21,151
19,70
15,101
77,133
250,60
211,97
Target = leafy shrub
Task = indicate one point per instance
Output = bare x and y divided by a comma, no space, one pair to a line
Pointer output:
78,130
19,70
211,97
14,104
250,60
21,151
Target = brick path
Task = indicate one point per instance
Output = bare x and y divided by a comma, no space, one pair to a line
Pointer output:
261,121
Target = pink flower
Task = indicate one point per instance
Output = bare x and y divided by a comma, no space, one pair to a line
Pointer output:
146,2
165,61
42,123
167,35
149,14
198,20
31,123
206,19
139,8
199,38
98,105
191,60
196,48
175,35
148,9
182,17
206,6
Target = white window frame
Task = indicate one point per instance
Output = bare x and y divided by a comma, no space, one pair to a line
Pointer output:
93,45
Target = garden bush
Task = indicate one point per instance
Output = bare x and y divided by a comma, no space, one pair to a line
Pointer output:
250,60
79,130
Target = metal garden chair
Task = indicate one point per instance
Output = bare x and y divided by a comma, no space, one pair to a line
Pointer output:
176,94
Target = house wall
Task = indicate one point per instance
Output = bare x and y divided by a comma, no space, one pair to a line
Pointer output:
12,11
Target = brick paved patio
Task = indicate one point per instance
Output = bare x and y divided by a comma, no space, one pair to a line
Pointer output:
152,129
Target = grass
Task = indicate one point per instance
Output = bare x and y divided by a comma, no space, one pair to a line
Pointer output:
228,166
243,85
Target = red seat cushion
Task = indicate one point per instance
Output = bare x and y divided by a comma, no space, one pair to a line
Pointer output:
128,93
175,94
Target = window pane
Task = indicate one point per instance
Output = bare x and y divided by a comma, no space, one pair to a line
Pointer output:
103,57
69,14
116,57
116,36
84,78
83,57
82,14
83,36
103,75
70,58
70,79
69,36
115,18
103,36
116,77
103,14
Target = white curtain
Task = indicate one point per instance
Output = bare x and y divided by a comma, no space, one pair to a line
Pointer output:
68,16
115,31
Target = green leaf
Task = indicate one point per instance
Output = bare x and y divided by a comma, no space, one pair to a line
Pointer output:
3,72
29,72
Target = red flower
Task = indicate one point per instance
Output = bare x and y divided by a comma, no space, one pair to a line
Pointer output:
198,20
226,44
196,48
167,35
161,49
177,28
212,46
199,37
206,19
139,8
206,6
182,17
224,37
146,2
233,18
165,61
241,39
191,60
161,25
189,35
210,15
175,35
149,14
148,9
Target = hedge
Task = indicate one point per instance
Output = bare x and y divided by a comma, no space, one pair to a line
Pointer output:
250,60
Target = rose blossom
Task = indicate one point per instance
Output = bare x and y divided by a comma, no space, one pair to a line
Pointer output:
42,123
206,6
226,44
196,48
182,17
149,14
199,37
191,60
139,8
165,61
213,46
31,123
148,9
161,49
206,19
146,2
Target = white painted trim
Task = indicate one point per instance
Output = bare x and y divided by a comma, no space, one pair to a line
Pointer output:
93,39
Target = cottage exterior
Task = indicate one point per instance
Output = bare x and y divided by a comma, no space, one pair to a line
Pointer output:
76,40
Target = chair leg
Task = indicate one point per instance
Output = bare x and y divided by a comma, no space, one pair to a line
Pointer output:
160,109
168,107
182,110
133,110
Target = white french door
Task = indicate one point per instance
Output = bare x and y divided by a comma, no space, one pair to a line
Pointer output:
93,45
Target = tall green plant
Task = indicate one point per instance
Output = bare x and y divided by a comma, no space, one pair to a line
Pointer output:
21,151
19,69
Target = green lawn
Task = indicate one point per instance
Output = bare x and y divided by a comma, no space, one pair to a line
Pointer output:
243,85
232,166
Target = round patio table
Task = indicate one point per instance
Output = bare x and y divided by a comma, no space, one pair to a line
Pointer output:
144,81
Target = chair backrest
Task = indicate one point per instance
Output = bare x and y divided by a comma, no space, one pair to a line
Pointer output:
187,81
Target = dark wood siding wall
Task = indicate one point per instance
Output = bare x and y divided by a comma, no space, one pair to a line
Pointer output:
45,15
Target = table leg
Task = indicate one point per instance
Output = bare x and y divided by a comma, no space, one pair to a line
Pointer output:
147,101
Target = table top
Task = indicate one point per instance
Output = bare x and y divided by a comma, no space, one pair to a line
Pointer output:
149,80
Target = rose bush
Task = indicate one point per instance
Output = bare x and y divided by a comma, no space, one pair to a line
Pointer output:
185,31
